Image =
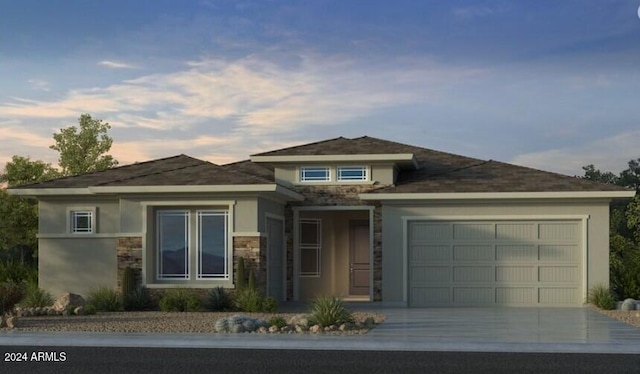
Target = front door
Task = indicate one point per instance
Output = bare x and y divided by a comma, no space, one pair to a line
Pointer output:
359,258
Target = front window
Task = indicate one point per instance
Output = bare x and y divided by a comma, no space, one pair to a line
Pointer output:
81,221
310,245
315,174
352,173
192,239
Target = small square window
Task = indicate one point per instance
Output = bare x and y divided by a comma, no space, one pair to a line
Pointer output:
352,173
82,221
315,174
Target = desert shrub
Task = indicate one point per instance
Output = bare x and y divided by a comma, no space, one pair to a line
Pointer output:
89,310
248,300
138,299
240,277
252,280
105,299
36,297
270,305
10,294
602,297
329,310
180,300
219,300
278,321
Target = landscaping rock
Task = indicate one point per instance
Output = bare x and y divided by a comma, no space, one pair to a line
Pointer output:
262,330
239,323
11,322
2,322
299,320
301,328
78,311
628,304
369,322
315,329
67,299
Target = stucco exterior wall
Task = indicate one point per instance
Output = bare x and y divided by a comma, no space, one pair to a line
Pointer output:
392,229
77,265
53,214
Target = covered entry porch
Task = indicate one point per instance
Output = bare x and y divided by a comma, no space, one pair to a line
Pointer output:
333,252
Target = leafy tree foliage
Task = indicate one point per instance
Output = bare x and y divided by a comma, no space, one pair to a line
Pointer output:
624,237
83,149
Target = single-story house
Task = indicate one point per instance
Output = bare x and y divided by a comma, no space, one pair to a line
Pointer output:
363,218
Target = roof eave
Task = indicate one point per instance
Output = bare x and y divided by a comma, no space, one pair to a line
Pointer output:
405,160
499,195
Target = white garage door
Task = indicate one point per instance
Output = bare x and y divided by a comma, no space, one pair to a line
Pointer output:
485,263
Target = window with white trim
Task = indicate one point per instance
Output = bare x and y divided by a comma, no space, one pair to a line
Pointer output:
81,221
352,173
310,245
192,239
315,174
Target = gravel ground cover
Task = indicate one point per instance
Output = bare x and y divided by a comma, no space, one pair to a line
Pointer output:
631,317
159,322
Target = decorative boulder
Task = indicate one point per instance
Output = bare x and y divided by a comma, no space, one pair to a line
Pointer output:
299,320
628,304
239,323
67,299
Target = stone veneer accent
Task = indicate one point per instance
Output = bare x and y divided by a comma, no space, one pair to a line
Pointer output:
344,195
129,252
254,251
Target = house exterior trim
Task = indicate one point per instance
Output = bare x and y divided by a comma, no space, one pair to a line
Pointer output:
498,195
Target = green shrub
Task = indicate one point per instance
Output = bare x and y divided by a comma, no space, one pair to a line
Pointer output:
105,299
278,321
36,297
89,310
270,305
128,281
329,310
180,300
252,280
10,294
219,300
138,299
18,272
601,297
248,300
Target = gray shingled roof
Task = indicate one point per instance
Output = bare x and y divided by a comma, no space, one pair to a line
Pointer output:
171,171
437,171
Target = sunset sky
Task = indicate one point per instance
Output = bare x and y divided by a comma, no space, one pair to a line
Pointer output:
550,84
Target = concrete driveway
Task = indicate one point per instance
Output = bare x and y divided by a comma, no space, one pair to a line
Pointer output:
568,330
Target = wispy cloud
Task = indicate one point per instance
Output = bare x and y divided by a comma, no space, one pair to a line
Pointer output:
39,85
115,65
607,154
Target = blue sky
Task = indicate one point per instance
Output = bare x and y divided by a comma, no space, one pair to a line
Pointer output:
553,85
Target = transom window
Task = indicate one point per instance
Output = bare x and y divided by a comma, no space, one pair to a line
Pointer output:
310,245
315,174
81,221
192,244
352,173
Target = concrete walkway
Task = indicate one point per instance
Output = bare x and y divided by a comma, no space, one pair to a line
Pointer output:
569,330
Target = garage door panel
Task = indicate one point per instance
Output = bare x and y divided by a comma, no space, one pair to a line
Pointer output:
559,274
473,274
430,274
494,263
516,295
431,296
559,253
422,253
559,296
473,296
473,253
517,274
431,231
518,231
473,231
516,252
559,231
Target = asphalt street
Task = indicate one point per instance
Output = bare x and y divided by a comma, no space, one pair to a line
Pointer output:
24,359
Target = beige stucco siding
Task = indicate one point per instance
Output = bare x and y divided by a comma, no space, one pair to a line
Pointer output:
268,207
53,216
77,265
393,256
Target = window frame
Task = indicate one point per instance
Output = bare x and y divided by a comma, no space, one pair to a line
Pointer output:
193,245
74,213
364,178
305,179
317,247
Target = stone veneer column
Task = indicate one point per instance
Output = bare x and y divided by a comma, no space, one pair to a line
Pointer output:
254,251
129,252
